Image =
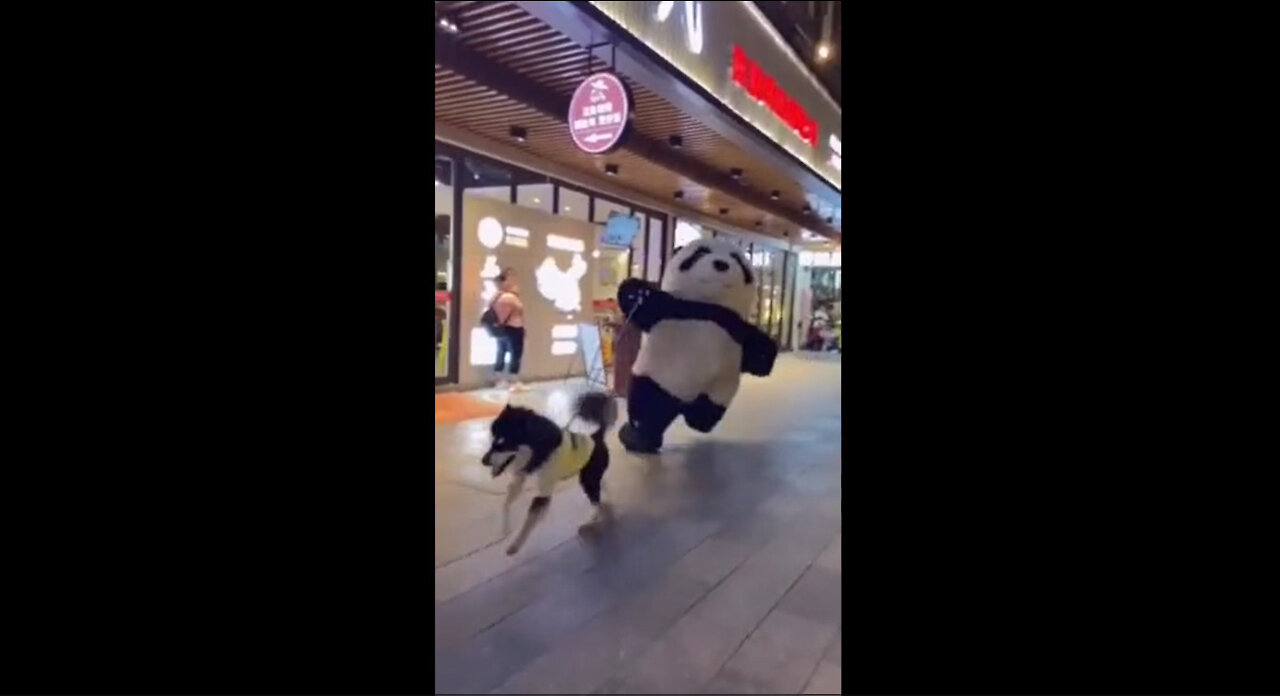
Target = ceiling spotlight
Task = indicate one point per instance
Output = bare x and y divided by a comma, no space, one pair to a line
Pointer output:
724,211
759,223
775,195
824,51
611,169
735,173
676,141
678,194
806,210
449,25
519,134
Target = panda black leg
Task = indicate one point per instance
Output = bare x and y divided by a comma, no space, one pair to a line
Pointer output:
703,414
650,411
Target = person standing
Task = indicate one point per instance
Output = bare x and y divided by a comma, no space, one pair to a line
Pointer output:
510,336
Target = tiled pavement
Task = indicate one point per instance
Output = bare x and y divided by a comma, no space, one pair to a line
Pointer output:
721,573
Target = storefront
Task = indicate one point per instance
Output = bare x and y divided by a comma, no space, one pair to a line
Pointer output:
819,292
514,190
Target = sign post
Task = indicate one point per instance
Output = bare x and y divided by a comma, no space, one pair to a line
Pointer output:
589,342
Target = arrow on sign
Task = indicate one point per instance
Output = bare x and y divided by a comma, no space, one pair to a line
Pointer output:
597,137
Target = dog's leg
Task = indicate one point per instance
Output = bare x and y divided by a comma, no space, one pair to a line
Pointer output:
537,510
591,478
513,492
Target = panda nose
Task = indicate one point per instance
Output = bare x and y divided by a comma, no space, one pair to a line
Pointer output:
719,265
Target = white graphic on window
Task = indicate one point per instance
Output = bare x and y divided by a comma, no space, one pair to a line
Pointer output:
562,287
489,231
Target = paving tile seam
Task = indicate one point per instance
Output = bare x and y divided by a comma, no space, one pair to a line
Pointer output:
774,607
790,519
651,531
642,585
646,534
706,589
647,583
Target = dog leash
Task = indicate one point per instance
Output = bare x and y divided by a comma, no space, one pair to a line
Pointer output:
574,363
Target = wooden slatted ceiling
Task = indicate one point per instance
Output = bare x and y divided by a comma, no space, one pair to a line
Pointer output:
504,32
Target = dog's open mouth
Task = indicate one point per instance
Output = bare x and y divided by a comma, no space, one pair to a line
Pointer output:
498,461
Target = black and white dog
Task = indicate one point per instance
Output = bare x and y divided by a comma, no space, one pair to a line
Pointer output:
530,444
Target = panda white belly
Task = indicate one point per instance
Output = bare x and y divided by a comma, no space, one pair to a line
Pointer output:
691,357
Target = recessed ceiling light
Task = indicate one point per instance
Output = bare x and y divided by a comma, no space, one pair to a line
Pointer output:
724,211
775,195
676,141
611,169
678,194
567,209
536,200
806,210
519,134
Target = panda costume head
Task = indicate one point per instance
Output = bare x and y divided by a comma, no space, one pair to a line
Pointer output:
714,271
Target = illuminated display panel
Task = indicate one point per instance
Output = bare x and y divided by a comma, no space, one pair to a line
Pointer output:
673,30
553,261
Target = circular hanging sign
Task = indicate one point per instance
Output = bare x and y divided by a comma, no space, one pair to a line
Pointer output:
598,113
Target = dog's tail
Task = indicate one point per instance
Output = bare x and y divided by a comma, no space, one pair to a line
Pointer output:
598,408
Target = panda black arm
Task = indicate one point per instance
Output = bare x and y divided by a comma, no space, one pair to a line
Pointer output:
759,352
645,305
642,303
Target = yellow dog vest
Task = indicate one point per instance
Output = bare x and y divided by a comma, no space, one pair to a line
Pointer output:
567,460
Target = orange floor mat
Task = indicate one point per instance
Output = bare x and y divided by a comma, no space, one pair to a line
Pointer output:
453,408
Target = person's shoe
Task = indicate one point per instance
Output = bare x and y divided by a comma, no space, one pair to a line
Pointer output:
634,442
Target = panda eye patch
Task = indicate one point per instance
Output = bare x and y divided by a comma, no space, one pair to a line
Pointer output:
693,258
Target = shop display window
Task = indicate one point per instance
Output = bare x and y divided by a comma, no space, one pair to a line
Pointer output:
685,233
444,266
788,292
777,269
574,203
653,271
534,191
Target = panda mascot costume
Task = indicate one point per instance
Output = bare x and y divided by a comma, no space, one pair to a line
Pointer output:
696,342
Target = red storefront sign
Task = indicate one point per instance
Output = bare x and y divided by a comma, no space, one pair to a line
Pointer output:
764,89
442,297
598,113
